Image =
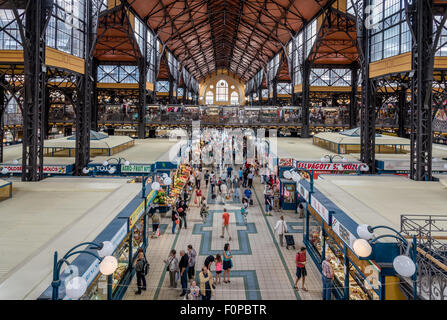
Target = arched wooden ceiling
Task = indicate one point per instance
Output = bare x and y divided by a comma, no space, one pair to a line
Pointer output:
336,42
238,35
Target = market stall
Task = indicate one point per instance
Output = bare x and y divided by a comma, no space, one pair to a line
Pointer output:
211,114
269,115
330,233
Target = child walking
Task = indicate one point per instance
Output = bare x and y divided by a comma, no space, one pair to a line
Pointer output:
218,262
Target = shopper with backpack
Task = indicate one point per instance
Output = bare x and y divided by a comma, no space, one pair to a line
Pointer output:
141,267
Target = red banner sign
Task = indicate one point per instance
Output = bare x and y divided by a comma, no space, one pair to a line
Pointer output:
326,166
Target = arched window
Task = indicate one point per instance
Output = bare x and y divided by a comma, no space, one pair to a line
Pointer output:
222,91
234,98
209,99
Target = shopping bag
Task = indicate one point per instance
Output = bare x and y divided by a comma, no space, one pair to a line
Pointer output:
195,201
177,221
158,232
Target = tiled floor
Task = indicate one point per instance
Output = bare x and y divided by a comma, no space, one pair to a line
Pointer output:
262,269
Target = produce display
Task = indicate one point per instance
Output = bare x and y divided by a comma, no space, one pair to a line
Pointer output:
181,178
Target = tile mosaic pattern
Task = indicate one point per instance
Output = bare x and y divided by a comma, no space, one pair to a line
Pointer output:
262,269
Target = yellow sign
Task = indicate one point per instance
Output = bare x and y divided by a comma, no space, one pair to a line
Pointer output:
135,215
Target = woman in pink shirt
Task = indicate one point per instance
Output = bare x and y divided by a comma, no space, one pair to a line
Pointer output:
218,262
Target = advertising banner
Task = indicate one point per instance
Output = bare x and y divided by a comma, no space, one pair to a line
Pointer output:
46,169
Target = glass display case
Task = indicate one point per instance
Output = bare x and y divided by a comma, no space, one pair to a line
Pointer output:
315,235
138,235
97,290
122,255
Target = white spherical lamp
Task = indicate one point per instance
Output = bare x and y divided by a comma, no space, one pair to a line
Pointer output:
364,167
362,248
112,170
106,250
323,159
108,265
364,231
105,163
127,162
75,288
15,161
155,186
287,174
85,171
404,266
5,171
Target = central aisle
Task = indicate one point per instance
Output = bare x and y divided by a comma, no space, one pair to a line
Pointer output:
261,268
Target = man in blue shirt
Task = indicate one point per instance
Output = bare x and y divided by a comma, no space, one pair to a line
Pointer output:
247,194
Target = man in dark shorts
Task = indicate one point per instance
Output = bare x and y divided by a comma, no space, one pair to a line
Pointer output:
209,261
301,267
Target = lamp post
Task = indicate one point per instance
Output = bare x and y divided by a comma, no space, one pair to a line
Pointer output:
332,157
76,286
404,264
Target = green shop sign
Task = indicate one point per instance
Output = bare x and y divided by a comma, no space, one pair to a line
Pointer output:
136,168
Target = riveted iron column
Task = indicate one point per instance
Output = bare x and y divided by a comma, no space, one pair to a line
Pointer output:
37,12
46,115
84,91
171,90
403,111
421,17
275,91
142,68
353,99
305,99
368,114
2,113
94,113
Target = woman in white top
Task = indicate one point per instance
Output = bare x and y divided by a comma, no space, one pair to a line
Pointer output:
224,189
281,229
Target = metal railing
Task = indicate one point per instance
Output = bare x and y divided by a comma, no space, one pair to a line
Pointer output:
431,236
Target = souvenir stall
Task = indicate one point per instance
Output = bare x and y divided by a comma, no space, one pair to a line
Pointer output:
230,114
328,232
269,115
210,114
251,115
191,113
291,114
